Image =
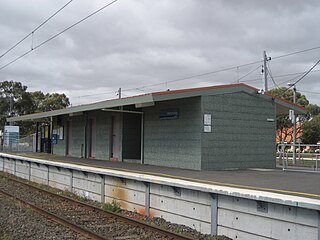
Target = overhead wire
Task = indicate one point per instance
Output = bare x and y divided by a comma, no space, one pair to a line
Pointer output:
34,30
309,92
58,34
307,72
271,75
297,52
247,74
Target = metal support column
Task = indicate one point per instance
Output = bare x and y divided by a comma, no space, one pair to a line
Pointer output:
50,135
102,190
86,154
214,214
37,136
147,199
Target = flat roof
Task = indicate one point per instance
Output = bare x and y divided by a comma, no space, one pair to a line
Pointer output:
282,105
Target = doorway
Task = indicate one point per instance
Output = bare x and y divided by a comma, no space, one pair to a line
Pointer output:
69,138
92,138
115,138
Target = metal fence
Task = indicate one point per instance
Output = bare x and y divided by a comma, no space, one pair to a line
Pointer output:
25,144
306,158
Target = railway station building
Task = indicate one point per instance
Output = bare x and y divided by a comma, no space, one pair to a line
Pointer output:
210,128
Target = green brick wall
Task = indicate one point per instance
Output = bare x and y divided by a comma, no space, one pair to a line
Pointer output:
60,148
103,133
78,133
177,142
241,136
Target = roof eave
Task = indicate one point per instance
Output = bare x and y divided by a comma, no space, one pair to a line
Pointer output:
83,108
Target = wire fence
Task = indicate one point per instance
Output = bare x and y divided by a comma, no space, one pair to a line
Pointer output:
306,157
24,144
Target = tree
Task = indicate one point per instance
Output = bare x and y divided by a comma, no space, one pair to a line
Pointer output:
311,130
47,102
15,100
313,110
284,124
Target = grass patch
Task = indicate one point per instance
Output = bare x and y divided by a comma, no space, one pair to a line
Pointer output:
114,206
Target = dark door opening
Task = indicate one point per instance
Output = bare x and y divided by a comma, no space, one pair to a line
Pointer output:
92,138
115,138
69,138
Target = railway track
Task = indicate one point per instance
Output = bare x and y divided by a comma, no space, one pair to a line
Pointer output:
85,219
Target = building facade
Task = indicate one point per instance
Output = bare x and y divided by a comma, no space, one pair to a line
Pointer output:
212,128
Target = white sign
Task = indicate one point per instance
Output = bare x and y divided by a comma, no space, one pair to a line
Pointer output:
60,133
11,135
291,114
207,119
11,129
207,129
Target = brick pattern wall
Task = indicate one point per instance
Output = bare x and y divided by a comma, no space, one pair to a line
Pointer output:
177,142
241,136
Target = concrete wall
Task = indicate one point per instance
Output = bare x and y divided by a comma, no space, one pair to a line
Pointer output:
176,142
103,133
233,216
78,136
241,136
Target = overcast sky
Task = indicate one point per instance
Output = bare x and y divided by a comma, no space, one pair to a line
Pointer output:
137,43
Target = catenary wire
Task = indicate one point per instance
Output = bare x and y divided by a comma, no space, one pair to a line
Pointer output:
34,30
307,72
297,52
271,75
309,92
247,74
58,34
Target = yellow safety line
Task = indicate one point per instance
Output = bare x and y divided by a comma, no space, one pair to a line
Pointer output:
191,179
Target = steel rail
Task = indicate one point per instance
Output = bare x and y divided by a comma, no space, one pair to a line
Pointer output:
57,219
124,219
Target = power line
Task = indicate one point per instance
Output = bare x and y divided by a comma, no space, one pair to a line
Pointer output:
297,52
281,76
309,92
34,30
307,72
270,74
247,74
58,34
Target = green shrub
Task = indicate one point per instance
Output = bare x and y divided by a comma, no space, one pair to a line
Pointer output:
114,206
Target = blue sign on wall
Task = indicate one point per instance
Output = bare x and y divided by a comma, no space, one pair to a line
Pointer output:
54,139
169,113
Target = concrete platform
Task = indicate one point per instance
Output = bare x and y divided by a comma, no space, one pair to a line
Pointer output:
302,184
252,204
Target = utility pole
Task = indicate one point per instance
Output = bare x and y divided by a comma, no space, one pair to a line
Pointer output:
10,108
119,93
265,72
294,127
294,124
